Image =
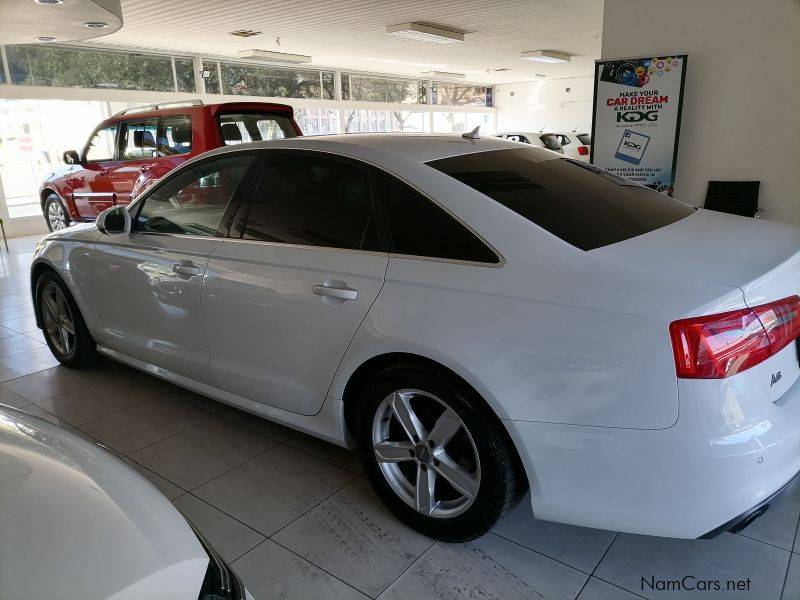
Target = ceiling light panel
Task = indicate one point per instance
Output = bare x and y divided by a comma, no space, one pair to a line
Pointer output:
425,33
268,55
546,56
443,75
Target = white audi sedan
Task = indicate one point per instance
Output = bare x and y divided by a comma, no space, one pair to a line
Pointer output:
476,316
76,523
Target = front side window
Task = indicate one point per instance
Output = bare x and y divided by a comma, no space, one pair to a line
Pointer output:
313,201
137,139
194,201
418,227
175,135
253,127
575,201
101,145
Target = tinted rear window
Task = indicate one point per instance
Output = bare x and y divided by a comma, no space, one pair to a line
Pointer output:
240,128
583,205
585,139
550,141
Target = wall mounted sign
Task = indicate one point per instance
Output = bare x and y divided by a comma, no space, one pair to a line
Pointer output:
637,118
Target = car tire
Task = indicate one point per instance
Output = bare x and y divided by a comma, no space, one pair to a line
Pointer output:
63,326
55,213
454,488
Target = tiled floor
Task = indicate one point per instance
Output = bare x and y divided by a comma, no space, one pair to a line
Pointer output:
298,520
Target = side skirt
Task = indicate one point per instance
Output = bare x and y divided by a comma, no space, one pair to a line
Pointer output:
327,424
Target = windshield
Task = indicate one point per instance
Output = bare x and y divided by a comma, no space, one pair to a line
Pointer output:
239,128
581,204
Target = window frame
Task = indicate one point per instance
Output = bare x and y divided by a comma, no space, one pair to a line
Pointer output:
243,191
382,222
115,152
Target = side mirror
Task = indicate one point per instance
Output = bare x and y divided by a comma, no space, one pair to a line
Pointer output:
71,157
116,219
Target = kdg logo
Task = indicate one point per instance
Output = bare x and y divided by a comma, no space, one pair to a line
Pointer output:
636,116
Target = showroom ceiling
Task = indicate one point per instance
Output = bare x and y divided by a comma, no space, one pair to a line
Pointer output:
351,34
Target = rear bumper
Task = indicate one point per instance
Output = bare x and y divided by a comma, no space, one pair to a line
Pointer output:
740,522
733,453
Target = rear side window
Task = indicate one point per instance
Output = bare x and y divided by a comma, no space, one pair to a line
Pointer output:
518,138
313,201
585,139
175,135
550,141
137,139
239,128
579,203
419,227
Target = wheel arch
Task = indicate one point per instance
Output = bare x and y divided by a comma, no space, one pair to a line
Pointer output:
37,270
361,375
45,192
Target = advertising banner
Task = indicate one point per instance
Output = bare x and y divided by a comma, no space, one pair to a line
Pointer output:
637,118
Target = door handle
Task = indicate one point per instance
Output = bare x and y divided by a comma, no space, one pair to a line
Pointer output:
144,168
186,267
338,292
103,172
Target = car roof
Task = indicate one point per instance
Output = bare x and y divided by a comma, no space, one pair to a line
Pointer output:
416,147
188,107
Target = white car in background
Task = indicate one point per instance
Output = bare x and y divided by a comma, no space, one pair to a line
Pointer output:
476,315
538,139
77,523
575,145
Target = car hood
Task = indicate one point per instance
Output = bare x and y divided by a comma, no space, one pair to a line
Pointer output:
75,522
760,257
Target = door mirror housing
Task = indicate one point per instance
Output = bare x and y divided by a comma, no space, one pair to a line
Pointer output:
116,219
71,157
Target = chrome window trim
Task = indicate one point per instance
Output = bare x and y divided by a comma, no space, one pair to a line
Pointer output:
389,255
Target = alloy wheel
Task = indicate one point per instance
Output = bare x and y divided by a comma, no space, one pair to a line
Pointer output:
426,453
55,215
59,325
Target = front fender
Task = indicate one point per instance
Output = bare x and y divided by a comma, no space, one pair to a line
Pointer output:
71,260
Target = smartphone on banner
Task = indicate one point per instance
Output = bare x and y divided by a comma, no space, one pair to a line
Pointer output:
632,146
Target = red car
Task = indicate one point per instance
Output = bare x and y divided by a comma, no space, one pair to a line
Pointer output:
131,150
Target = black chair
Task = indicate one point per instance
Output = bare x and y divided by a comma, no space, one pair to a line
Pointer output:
733,197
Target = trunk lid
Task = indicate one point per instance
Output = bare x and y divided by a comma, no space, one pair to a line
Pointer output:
762,258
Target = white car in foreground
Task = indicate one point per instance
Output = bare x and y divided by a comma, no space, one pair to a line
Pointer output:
76,523
476,315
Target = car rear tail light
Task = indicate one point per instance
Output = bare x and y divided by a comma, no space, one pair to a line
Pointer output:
583,151
718,346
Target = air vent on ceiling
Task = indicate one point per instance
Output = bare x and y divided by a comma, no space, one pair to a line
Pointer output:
425,33
245,33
